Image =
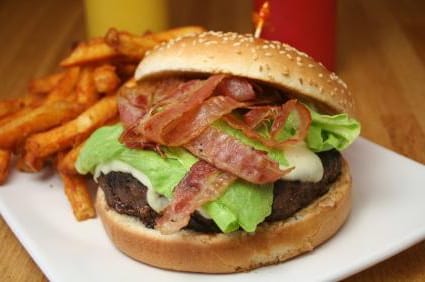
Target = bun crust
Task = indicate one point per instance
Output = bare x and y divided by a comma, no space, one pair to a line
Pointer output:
238,251
270,62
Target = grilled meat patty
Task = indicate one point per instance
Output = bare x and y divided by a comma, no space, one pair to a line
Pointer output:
127,195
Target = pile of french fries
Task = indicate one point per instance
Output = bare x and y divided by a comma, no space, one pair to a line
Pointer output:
49,125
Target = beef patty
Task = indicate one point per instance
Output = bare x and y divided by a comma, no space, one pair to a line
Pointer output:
127,195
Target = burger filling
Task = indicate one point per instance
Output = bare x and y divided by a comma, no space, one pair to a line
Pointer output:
215,154
127,195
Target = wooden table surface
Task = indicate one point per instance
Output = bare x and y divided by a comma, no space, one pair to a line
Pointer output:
381,55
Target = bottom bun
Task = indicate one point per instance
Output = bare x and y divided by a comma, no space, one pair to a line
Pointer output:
238,251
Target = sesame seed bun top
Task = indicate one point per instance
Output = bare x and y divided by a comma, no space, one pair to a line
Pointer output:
271,62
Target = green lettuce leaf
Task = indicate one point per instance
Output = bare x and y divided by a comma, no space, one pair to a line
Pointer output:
243,205
249,203
328,132
101,147
163,173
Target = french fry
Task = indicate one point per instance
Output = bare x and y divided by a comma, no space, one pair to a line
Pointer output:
130,45
121,43
93,50
45,84
105,79
64,88
134,47
5,157
76,190
21,165
86,89
66,163
29,121
10,117
126,70
11,106
43,144
33,100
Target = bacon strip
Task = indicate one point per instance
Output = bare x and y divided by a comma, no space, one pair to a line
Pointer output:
255,116
192,124
202,184
303,126
229,154
249,132
279,115
167,114
132,105
282,116
237,88
135,99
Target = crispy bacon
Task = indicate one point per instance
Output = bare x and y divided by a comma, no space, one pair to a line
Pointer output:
279,116
132,104
256,115
229,154
135,99
203,183
249,132
304,117
193,123
135,141
236,87
169,112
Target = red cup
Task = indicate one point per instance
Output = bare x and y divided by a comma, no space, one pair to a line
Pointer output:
308,25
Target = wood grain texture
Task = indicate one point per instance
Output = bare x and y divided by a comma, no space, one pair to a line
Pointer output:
381,55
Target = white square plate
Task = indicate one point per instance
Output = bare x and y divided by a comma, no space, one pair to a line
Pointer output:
388,216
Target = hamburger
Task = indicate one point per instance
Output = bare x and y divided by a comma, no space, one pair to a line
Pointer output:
227,156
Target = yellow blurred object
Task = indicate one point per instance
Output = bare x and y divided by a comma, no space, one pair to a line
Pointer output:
136,16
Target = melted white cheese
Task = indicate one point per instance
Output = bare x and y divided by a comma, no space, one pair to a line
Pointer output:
155,200
307,165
